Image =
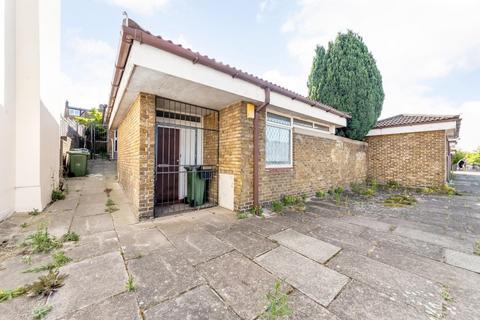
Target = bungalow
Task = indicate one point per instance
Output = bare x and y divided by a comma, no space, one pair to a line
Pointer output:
413,149
192,132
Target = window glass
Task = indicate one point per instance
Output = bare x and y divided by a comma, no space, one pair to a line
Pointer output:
275,118
302,123
278,140
320,127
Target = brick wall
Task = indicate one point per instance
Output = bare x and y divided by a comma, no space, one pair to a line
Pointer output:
136,154
412,159
320,161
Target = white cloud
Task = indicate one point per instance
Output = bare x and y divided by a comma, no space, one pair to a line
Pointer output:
144,7
412,41
86,84
263,7
295,83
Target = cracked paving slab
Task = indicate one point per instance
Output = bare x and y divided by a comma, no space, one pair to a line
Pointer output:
242,284
462,260
88,282
161,275
311,278
401,286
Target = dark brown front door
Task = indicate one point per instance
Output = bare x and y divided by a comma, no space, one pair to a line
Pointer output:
168,158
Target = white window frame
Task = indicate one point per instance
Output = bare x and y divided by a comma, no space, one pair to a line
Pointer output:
278,125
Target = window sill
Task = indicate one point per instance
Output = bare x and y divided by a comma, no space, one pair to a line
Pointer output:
279,169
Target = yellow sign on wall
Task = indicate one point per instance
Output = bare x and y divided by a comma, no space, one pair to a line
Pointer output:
250,111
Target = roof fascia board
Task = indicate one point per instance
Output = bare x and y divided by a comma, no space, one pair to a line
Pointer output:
414,128
162,61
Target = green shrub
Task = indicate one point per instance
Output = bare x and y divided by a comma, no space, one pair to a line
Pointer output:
277,206
57,194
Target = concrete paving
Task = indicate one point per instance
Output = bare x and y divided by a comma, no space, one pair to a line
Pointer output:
353,260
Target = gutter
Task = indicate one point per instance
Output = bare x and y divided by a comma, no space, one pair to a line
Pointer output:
131,31
256,149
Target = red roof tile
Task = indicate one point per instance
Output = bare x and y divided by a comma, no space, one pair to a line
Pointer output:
414,119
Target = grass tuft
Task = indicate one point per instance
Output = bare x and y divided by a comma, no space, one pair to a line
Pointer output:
57,194
320,194
277,305
41,241
70,236
277,206
476,249
34,212
242,215
399,200
47,284
8,294
41,312
446,294
130,285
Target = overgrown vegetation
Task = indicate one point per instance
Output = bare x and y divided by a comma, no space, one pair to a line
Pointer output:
24,225
41,241
41,312
445,189
362,189
70,236
446,294
392,184
110,206
476,249
256,210
34,212
242,215
277,305
130,285
471,157
337,193
277,206
57,194
47,284
320,194
399,200
8,294
59,259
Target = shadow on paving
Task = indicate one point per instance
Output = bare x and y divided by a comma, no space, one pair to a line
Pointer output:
355,259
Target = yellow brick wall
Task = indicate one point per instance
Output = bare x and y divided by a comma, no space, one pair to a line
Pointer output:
318,163
136,156
412,159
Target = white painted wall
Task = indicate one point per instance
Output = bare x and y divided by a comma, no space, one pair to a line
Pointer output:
29,116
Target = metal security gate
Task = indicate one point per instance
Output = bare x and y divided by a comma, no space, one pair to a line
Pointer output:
186,158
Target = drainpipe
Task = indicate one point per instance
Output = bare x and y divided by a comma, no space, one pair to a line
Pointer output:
256,151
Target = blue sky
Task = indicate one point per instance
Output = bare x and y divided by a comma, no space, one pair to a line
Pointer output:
428,66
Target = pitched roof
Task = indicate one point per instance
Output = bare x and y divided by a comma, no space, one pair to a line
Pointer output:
132,31
414,119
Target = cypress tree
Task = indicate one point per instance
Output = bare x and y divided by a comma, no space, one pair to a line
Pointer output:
346,77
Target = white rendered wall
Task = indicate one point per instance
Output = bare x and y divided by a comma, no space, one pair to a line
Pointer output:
7,108
30,107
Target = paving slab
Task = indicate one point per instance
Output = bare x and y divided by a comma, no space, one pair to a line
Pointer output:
311,278
341,237
62,205
247,242
359,301
427,268
242,284
88,282
200,303
11,270
264,227
92,245
140,242
122,306
304,308
417,247
369,223
20,308
312,248
90,209
462,260
161,275
199,247
92,224
402,286
437,239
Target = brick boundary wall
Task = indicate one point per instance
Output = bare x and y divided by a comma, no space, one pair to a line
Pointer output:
415,159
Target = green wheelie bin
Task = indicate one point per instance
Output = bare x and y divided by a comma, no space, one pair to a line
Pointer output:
195,186
78,161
